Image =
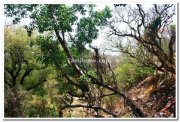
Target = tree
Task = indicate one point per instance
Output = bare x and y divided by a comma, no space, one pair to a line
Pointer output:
71,31
19,61
150,38
20,70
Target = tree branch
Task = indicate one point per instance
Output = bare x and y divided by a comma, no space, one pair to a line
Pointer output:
6,82
136,111
26,73
64,46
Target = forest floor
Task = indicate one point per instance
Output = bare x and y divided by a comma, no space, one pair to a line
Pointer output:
153,99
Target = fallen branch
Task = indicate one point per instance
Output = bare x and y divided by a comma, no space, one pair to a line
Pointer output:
136,110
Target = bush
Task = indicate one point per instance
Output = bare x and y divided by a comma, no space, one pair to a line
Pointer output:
129,74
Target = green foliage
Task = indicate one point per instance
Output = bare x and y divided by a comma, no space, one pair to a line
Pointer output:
129,74
41,106
84,81
101,17
52,17
173,27
64,18
52,53
17,60
39,90
38,76
154,25
18,11
87,27
79,8
65,87
21,54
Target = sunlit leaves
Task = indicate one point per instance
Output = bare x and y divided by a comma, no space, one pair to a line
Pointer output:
129,74
51,17
101,17
65,18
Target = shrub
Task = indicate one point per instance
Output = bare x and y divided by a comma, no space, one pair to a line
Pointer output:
129,74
